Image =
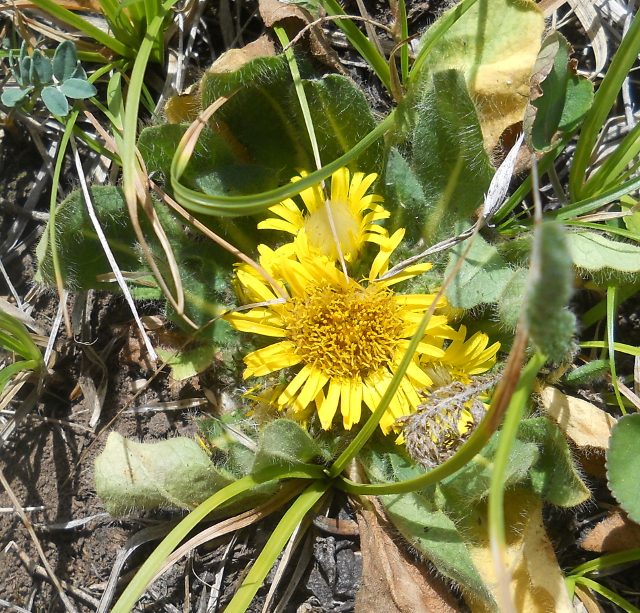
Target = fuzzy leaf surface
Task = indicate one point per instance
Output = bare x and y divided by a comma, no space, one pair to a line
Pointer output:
623,468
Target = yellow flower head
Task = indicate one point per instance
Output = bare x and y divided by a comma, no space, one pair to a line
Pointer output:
353,214
347,337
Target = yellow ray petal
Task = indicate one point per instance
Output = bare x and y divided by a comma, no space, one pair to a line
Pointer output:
330,404
269,359
290,391
316,381
278,224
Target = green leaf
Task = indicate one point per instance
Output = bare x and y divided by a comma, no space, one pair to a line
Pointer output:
188,364
577,103
65,59
158,143
15,97
285,442
41,70
425,527
265,122
551,325
403,195
564,97
471,484
81,255
55,101
623,468
436,536
25,69
512,298
78,89
596,253
553,476
449,158
482,278
588,372
176,472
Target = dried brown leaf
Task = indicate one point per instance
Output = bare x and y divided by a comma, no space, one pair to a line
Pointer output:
293,18
584,423
615,533
391,581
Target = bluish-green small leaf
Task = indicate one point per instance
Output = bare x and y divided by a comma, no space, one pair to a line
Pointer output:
65,60
623,468
25,70
14,96
78,89
41,68
55,101
79,73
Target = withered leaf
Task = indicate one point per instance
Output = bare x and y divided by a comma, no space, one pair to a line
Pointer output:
392,582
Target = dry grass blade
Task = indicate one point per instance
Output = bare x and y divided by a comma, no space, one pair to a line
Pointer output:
141,184
107,251
36,542
588,16
140,538
247,518
303,562
218,239
21,316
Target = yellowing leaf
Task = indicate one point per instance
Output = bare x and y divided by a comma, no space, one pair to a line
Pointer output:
496,45
537,583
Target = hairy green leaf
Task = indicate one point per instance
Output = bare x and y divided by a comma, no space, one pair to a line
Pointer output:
623,468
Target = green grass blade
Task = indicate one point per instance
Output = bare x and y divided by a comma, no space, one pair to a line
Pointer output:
608,174
603,227
625,605
362,44
599,311
404,34
603,101
497,529
85,26
235,206
302,97
139,583
612,559
8,371
276,543
621,347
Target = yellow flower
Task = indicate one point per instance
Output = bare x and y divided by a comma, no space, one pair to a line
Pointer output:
353,213
348,337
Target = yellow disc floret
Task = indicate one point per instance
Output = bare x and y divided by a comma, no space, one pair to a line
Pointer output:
345,331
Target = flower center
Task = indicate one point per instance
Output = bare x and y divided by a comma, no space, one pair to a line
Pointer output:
345,332
347,228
